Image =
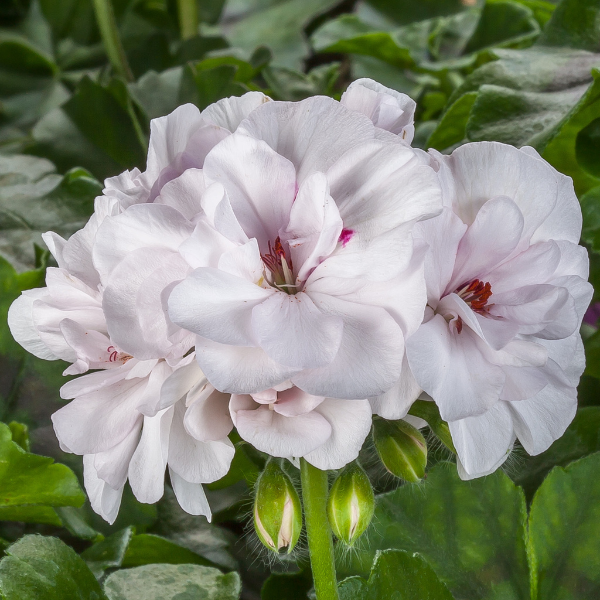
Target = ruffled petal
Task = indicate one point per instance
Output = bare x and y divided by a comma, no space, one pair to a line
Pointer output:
191,496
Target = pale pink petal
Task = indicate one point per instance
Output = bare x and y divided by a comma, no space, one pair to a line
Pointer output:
522,383
293,402
244,261
112,465
205,246
179,383
150,402
184,193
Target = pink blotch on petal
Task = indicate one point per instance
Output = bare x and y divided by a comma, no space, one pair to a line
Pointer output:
346,236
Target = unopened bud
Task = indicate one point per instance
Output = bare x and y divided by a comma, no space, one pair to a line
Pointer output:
428,411
351,504
401,447
277,510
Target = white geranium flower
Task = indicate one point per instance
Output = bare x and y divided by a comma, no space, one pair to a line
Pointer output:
305,268
129,418
289,423
499,350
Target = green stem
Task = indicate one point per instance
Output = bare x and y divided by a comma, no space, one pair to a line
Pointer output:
315,489
110,38
188,18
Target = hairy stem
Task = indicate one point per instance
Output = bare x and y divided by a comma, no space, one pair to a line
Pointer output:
188,18
110,38
315,488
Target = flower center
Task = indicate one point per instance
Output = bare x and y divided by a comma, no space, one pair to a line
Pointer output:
115,356
280,267
476,294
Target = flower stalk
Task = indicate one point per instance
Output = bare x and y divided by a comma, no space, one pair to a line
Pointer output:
315,490
188,18
110,38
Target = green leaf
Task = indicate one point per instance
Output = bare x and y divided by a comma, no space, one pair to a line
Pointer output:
146,549
29,479
20,434
471,533
575,24
281,28
291,586
407,11
74,520
293,86
399,575
172,582
109,552
158,93
590,207
44,568
574,148
592,354
203,83
564,533
581,438
34,199
106,119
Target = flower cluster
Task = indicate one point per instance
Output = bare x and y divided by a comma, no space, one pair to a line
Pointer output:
291,269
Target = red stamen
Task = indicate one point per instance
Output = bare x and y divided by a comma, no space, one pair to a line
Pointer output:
476,294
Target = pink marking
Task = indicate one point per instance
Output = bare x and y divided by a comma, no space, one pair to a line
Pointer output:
113,354
346,236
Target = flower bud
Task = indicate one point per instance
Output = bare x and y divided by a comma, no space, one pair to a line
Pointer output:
401,447
277,510
351,504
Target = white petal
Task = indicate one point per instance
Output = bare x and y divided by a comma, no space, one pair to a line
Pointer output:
394,403
196,461
260,185
239,369
541,420
483,442
141,226
230,112
99,420
104,500
295,130
293,402
149,461
315,225
278,435
22,326
451,369
369,359
191,496
350,422
216,305
294,332
135,304
493,235
207,417
378,187
386,108
112,466
184,193
179,383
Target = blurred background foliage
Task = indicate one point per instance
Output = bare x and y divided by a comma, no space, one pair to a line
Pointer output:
523,72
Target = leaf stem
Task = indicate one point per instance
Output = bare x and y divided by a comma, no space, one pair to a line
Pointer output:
188,18
110,38
315,488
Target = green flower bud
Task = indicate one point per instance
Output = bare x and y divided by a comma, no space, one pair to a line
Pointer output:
428,411
277,510
401,447
351,504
